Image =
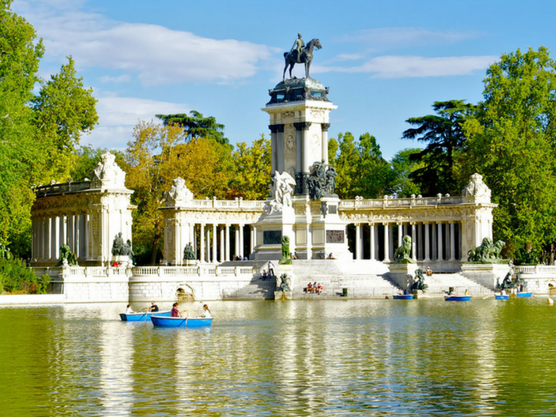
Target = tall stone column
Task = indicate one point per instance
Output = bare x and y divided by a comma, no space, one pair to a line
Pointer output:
440,249
241,243
214,242
427,248
372,241
358,248
202,243
452,242
280,148
305,154
227,251
222,245
207,242
413,242
434,253
274,148
386,243
325,127
400,234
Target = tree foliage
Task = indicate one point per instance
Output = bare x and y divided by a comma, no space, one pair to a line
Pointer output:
362,171
252,164
195,126
512,144
403,166
445,139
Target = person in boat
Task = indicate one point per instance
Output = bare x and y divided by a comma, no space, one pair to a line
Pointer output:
405,292
153,307
129,310
175,311
206,312
466,292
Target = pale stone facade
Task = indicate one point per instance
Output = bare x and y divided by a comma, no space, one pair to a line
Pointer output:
86,216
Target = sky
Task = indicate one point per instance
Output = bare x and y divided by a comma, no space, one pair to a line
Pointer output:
384,61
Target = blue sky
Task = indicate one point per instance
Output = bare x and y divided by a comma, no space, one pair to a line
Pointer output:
384,61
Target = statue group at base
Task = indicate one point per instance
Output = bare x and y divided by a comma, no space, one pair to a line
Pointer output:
67,257
188,253
418,281
509,283
321,181
121,248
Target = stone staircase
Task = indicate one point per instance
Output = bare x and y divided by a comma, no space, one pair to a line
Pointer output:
438,285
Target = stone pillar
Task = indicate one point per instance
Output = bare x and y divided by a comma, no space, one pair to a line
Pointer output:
227,251
372,241
427,248
241,243
273,148
222,245
214,242
439,234
386,243
413,242
280,148
207,242
253,235
202,243
305,154
452,242
400,234
434,254
358,248
325,127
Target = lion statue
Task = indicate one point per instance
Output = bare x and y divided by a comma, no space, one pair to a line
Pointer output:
403,253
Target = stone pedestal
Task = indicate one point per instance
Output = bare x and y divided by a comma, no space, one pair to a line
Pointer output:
123,261
271,227
487,275
402,274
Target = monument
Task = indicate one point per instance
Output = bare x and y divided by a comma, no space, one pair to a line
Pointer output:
302,205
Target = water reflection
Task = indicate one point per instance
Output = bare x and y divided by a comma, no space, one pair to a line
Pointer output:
374,357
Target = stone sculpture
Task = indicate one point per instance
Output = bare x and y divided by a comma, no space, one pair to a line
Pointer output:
487,252
281,192
67,257
306,56
321,180
178,193
121,248
283,283
286,258
188,254
108,174
403,253
419,281
477,189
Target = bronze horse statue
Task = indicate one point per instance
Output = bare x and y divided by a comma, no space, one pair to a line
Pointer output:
306,57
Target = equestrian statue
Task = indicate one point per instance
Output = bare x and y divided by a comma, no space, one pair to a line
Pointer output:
300,53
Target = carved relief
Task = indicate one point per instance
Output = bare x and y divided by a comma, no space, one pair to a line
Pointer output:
290,143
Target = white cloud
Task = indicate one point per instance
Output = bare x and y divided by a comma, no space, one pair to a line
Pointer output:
120,79
389,38
118,116
157,55
416,66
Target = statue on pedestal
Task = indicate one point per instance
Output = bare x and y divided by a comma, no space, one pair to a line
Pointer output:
286,258
281,192
67,257
487,252
321,180
419,281
298,55
188,254
403,253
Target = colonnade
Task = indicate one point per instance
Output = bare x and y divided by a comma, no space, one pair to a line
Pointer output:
217,243
430,241
49,233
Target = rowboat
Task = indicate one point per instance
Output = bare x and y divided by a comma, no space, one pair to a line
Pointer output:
145,316
457,297
403,297
502,297
164,321
524,294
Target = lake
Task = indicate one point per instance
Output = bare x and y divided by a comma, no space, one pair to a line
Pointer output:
290,358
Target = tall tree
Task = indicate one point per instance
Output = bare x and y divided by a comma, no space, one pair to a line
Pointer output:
403,165
252,170
64,110
445,138
195,125
512,144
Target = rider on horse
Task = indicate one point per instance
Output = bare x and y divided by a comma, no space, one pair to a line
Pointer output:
298,45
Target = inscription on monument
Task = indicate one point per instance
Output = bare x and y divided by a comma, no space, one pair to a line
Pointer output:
272,237
334,236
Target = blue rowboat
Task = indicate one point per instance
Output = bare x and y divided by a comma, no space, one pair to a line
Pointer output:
146,316
502,297
161,321
403,297
524,294
457,297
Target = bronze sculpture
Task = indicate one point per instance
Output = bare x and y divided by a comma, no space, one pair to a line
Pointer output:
297,56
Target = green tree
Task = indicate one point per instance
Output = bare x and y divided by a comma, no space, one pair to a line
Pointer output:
512,144
252,170
64,110
362,171
403,165
87,159
195,125
445,138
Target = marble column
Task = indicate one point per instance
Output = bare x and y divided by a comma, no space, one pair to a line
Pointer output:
202,243
241,243
400,234
414,242
305,154
386,243
427,247
372,241
439,246
434,253
358,248
214,242
325,127
222,245
273,148
452,242
227,251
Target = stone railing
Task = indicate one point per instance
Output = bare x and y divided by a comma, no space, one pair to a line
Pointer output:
70,187
536,269
388,201
238,203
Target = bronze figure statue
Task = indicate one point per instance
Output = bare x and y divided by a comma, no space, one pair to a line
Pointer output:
298,55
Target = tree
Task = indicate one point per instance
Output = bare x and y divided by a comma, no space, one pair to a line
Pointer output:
252,170
87,159
362,171
403,165
445,138
196,125
64,110
512,144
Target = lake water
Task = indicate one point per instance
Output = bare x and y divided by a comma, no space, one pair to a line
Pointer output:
291,358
